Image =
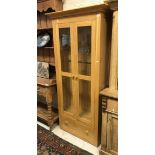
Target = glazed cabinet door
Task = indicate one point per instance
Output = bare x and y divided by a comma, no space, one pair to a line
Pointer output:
66,68
84,60
76,58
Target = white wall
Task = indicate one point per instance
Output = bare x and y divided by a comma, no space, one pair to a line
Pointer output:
72,4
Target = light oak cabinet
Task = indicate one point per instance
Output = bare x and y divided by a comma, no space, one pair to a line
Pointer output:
80,56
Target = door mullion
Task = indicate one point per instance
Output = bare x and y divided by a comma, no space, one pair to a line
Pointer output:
73,57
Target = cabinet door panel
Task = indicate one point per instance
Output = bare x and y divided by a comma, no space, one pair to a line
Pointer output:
65,58
112,133
84,57
115,134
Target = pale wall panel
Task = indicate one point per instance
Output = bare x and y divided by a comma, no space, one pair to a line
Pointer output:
72,4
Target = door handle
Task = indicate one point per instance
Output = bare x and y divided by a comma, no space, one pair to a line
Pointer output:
74,77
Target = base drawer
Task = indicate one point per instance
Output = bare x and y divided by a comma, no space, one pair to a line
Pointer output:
79,130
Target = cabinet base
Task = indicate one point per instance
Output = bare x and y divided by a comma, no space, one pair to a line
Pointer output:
80,130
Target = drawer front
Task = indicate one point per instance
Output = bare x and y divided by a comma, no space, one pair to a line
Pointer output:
47,95
86,131
46,91
41,94
68,123
41,91
78,129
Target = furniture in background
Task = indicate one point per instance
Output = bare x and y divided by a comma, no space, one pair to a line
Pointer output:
44,5
80,56
109,96
47,110
109,136
47,101
46,85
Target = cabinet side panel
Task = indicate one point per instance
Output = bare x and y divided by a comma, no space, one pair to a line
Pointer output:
97,70
103,54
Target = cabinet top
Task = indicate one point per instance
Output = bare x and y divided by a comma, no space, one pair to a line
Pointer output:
110,93
103,8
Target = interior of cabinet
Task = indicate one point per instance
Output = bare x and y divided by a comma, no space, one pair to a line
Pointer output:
85,99
67,94
84,68
65,49
84,50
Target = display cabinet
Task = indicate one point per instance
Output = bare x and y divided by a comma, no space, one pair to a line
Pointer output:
80,56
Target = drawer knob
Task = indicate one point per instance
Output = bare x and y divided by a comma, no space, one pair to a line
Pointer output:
86,132
66,122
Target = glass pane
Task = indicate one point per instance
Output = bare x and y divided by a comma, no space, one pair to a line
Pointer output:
65,49
84,50
85,98
67,93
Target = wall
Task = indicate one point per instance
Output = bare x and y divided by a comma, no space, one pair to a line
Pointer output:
72,4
